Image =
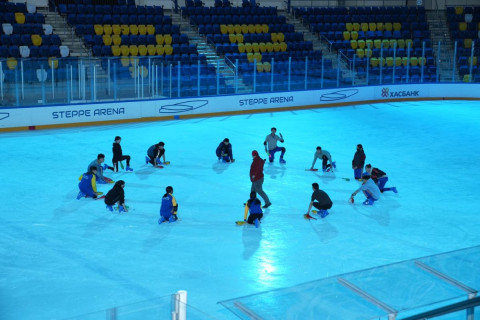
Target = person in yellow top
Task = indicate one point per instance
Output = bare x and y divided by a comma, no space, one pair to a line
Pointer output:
253,206
88,184
169,207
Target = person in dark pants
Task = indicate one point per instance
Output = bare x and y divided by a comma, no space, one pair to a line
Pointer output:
271,147
118,155
256,176
154,153
320,200
253,206
116,195
169,207
224,151
326,157
98,163
88,184
358,162
379,177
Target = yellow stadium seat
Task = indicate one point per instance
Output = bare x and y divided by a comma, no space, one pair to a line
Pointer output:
381,61
262,46
160,39
267,67
107,29
474,60
369,43
368,52
466,78
237,28
19,17
168,50
116,29
151,50
280,37
349,26
258,28
125,61
274,37
142,29
389,61
360,53
361,44
230,28
142,50
269,46
393,43
11,63
356,26
133,50
413,61
251,28
346,35
353,44
380,26
388,26
53,63
134,29
398,61
372,26
276,47
36,40
255,47
232,37
364,26
401,43
422,61
397,26
283,46
150,29
244,28
260,67
374,62
239,37
125,29
405,61
223,29
458,10
250,57
98,29
134,61
386,43
116,51
265,28
248,47
354,35
467,43
125,50
462,26
160,49
409,43
168,39
377,43
116,40
241,48
257,56
107,40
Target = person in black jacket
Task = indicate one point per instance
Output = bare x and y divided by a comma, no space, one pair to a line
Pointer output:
224,151
118,155
116,195
379,176
358,162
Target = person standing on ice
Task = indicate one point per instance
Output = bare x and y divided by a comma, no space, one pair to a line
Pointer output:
253,206
370,190
116,196
118,155
154,153
358,162
379,177
224,151
326,157
169,207
88,184
98,164
319,200
271,148
256,176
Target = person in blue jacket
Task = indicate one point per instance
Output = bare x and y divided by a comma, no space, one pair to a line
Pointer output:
224,151
169,207
88,184
253,206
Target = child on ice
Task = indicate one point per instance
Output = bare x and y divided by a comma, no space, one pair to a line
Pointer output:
116,195
254,206
169,207
88,184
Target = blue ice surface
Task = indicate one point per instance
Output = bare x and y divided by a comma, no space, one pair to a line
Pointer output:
62,257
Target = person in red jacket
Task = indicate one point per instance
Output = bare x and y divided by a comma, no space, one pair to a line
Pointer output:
256,176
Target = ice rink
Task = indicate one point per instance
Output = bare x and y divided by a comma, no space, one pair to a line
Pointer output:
62,257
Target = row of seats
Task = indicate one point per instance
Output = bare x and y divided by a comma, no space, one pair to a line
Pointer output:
464,26
370,35
107,9
364,18
144,50
28,28
392,10
247,38
136,40
34,51
245,29
81,18
223,48
125,30
12,18
233,11
17,7
347,44
238,19
315,56
30,40
385,44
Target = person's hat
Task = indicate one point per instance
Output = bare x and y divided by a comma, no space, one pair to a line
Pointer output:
254,153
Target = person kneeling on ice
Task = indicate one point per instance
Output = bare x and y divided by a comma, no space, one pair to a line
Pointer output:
98,164
379,177
254,206
224,151
319,200
370,190
116,196
326,157
88,184
169,207
154,153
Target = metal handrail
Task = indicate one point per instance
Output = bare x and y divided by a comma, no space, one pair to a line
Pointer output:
455,307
